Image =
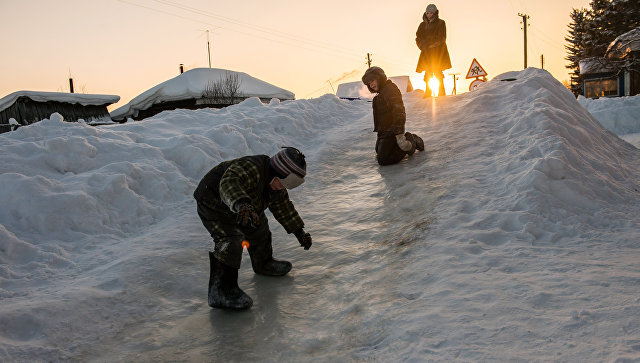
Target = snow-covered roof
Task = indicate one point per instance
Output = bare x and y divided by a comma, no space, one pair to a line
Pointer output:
597,65
624,44
192,83
80,98
353,90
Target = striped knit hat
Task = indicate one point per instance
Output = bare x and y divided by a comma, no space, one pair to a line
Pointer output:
289,166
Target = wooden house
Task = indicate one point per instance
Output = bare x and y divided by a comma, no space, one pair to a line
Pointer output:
618,72
26,107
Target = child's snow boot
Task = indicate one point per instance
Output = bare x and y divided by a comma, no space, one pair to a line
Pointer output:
224,292
416,140
419,142
271,267
263,262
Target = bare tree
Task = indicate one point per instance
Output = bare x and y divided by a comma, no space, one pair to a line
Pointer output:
224,92
231,87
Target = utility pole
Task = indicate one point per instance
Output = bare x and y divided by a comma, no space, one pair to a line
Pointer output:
524,22
208,49
542,61
369,60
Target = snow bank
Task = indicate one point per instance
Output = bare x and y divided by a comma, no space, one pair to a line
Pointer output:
69,181
548,159
620,115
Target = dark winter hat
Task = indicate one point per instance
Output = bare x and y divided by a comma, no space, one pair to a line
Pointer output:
431,8
372,73
290,166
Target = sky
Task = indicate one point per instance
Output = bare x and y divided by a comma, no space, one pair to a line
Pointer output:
125,47
512,237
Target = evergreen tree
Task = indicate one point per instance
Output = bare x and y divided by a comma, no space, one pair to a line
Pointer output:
623,16
592,30
598,35
575,49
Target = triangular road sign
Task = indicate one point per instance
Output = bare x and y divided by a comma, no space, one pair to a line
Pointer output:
476,70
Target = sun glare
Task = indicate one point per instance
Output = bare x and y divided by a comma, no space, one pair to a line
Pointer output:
434,84
418,83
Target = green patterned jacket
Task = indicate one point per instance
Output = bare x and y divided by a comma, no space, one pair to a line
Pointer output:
247,178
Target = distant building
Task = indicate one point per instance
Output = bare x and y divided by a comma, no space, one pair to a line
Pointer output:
199,88
618,72
358,90
26,107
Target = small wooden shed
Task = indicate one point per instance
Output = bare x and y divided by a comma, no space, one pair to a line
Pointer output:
27,107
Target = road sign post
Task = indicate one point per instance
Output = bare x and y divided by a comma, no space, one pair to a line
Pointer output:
476,71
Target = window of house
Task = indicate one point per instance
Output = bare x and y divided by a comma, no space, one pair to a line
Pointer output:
601,87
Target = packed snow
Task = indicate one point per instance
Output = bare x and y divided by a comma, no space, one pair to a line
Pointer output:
513,237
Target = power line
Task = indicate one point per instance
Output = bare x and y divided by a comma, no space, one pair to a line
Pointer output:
327,51
162,11
546,38
273,32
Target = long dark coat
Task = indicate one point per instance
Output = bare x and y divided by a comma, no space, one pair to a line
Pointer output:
432,59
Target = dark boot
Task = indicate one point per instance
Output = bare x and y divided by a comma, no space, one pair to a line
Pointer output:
415,140
224,292
418,142
262,259
409,137
272,267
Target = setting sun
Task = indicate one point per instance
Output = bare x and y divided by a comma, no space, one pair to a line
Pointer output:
433,85
418,82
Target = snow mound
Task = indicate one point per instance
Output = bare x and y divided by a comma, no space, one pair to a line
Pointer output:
69,181
544,159
624,120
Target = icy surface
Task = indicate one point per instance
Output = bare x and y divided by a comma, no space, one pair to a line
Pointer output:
513,237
